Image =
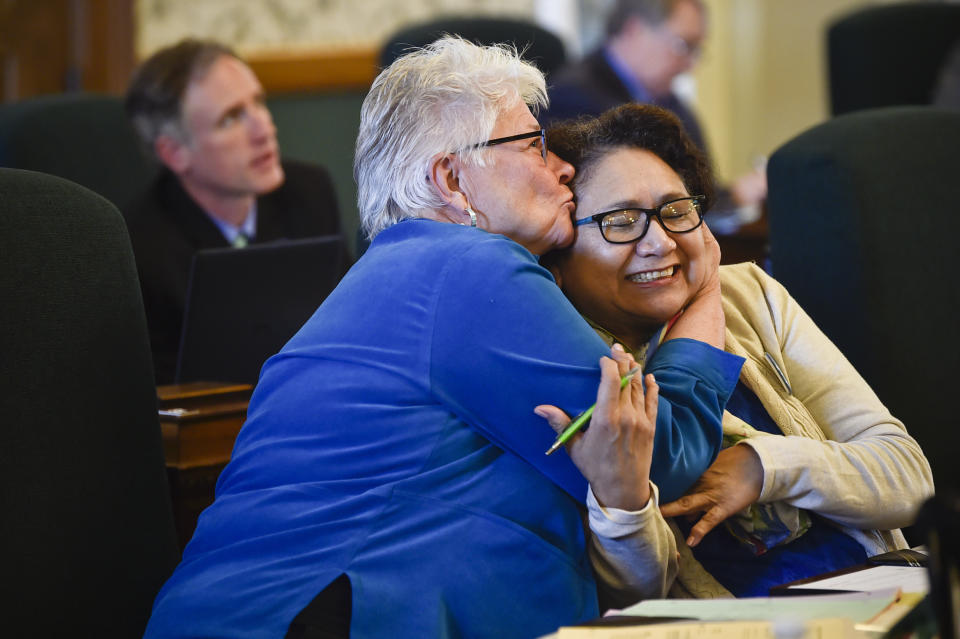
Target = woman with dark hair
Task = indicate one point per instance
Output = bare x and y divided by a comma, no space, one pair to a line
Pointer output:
816,474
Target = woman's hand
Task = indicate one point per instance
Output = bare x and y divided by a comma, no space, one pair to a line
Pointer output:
711,283
615,452
703,317
729,485
710,286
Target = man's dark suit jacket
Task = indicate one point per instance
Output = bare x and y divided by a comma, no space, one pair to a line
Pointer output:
167,227
591,86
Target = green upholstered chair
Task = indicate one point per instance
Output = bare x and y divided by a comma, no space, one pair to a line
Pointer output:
82,137
864,232
87,139
542,47
889,54
321,127
87,534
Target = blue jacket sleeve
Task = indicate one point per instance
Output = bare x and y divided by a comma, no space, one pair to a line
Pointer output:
695,381
505,339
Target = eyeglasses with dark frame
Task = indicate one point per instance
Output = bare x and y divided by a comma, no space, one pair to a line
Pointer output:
680,46
541,133
622,226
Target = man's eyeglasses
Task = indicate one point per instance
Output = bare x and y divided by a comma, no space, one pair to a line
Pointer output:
680,46
622,226
541,133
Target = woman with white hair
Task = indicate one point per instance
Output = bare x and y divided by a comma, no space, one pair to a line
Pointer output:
391,478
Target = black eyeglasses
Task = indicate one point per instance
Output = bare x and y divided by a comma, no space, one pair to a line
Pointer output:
542,134
681,47
622,226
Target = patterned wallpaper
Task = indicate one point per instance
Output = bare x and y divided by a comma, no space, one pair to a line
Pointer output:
253,26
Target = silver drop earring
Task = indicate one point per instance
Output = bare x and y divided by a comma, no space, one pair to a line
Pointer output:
473,216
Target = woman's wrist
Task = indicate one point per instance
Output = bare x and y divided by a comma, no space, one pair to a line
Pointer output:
703,319
626,500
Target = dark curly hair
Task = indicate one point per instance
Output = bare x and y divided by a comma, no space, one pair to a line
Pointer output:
584,142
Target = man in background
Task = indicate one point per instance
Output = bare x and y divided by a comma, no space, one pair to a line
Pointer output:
649,43
201,111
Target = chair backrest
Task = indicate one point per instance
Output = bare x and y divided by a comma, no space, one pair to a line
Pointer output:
82,137
303,120
863,233
87,535
889,54
539,46
939,519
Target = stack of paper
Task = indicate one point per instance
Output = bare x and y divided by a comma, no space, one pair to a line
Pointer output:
820,616
818,629
907,578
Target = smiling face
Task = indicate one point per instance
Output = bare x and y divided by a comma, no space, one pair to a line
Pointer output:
516,193
630,289
231,148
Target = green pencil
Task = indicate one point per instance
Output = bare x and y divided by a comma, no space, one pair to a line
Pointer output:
584,417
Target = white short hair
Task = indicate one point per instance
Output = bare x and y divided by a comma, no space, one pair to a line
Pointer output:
443,98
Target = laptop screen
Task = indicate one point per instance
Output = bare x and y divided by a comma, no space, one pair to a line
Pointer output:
244,304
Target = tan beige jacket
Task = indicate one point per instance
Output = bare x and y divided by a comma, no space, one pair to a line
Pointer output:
842,454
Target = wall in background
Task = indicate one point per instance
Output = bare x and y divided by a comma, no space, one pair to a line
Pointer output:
761,81
49,46
309,25
763,76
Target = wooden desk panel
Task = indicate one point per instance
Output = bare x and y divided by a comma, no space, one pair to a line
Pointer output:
749,243
200,422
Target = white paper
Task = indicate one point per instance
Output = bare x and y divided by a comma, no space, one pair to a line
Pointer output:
907,578
857,606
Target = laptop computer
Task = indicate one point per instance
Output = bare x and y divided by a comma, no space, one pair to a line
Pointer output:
244,304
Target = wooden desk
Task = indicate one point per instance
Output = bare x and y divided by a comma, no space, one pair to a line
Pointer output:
200,422
749,243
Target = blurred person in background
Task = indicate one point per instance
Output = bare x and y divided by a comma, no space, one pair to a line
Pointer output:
648,44
202,112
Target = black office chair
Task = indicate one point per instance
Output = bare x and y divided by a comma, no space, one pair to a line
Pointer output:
539,46
864,233
889,54
87,535
940,520
82,137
